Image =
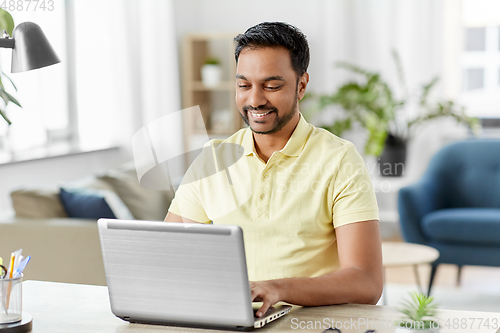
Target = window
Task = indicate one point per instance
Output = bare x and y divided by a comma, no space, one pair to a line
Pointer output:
481,58
475,39
74,100
42,92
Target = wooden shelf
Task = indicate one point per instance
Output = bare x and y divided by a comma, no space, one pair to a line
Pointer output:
223,86
217,104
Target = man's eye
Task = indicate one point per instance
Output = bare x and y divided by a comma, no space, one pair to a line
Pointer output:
273,87
243,86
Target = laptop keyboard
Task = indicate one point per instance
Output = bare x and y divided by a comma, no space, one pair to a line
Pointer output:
267,312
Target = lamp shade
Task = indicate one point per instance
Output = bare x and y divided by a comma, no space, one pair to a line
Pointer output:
32,49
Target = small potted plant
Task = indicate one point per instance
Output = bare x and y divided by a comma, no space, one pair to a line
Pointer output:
211,72
419,315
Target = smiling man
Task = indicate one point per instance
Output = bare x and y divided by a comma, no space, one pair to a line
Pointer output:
311,219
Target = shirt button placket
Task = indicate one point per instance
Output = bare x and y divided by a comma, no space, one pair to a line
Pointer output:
264,188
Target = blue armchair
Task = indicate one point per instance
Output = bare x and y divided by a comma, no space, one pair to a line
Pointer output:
455,207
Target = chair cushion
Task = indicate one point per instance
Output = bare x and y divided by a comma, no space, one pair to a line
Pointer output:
473,226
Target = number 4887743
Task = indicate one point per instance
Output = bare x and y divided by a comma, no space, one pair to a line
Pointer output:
27,5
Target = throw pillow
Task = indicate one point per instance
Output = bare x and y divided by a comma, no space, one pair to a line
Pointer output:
93,204
37,203
144,204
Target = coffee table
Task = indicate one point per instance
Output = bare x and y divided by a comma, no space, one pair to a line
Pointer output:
396,254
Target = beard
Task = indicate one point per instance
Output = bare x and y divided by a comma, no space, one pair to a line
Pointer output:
279,122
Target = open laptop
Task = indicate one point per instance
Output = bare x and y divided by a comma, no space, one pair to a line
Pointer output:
185,274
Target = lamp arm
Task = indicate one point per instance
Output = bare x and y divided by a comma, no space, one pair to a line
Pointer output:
7,42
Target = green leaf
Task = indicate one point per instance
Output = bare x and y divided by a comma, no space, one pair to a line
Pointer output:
12,99
4,116
426,89
6,22
339,126
12,82
4,96
8,98
419,307
399,68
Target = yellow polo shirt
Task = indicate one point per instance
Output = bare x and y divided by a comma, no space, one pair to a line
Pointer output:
288,207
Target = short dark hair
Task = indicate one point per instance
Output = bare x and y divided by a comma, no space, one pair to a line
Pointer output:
276,34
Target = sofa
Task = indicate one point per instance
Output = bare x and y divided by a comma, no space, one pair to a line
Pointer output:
64,246
455,207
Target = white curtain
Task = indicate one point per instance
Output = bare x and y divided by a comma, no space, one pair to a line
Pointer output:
364,32
127,68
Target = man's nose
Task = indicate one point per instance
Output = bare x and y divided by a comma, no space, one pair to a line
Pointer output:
257,98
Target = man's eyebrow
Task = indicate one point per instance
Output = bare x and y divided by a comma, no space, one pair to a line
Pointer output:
269,78
274,78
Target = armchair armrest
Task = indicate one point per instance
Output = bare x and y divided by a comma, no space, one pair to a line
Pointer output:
414,202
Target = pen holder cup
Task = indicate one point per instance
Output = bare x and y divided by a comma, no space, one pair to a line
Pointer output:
11,300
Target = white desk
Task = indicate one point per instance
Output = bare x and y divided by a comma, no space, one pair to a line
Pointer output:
61,307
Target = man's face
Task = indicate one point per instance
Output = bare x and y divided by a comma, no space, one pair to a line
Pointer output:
266,89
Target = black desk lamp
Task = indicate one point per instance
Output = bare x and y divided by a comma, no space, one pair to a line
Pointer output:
31,49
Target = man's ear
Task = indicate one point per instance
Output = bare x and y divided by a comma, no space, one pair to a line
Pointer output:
301,88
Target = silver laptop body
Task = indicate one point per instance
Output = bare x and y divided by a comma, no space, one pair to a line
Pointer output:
186,274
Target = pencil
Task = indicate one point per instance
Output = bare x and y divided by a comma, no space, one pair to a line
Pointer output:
11,272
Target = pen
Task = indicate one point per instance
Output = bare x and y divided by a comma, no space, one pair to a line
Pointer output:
11,268
11,272
22,266
17,258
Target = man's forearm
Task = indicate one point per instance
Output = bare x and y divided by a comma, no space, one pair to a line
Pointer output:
351,285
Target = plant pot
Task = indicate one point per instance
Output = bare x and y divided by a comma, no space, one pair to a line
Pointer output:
210,75
392,161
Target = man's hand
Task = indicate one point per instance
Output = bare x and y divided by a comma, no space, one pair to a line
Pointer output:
266,292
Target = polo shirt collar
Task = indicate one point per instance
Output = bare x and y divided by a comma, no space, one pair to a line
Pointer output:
293,147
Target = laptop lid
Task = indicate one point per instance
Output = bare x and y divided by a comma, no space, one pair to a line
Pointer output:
180,273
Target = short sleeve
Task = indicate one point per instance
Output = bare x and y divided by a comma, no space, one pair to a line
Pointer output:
187,203
352,190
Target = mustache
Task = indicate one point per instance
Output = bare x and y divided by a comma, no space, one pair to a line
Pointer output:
251,108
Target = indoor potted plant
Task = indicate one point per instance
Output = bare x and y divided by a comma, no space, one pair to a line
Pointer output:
211,72
373,105
419,315
6,25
